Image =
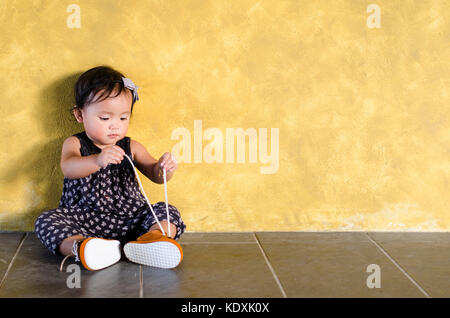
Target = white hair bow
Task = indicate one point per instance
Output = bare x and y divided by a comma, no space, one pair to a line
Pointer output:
130,85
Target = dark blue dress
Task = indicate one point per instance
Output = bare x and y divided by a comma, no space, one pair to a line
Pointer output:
107,204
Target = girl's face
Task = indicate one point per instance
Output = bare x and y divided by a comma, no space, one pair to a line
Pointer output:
106,122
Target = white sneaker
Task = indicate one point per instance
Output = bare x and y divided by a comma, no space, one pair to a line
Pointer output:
97,253
154,249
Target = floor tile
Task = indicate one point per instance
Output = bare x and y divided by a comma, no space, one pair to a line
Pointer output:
35,273
8,246
214,270
217,237
332,264
231,264
424,256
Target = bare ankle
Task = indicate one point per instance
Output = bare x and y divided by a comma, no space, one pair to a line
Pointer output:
65,248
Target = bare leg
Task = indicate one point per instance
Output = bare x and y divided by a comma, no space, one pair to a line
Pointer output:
173,228
65,248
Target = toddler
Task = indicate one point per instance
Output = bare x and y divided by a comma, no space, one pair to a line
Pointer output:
102,207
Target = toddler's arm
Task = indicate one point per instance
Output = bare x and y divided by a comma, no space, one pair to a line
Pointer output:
73,165
149,166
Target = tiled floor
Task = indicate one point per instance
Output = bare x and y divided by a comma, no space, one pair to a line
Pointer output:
249,265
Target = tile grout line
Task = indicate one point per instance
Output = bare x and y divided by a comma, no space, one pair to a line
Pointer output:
398,266
270,266
141,282
226,243
13,258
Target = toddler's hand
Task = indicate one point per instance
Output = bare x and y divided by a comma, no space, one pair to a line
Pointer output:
110,154
167,161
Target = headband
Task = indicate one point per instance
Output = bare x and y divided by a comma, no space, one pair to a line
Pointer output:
130,85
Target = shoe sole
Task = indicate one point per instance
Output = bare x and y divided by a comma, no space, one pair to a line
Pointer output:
97,253
157,254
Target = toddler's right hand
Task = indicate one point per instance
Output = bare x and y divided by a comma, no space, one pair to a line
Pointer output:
110,154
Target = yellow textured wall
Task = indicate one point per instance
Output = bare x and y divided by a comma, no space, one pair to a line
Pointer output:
362,113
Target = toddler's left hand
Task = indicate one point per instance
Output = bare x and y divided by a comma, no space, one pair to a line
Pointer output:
167,161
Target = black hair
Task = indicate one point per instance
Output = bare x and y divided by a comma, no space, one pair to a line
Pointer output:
100,78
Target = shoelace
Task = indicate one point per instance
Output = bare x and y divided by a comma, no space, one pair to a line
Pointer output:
75,243
148,202
74,254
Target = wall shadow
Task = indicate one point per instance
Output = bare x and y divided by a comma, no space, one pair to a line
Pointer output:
41,164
